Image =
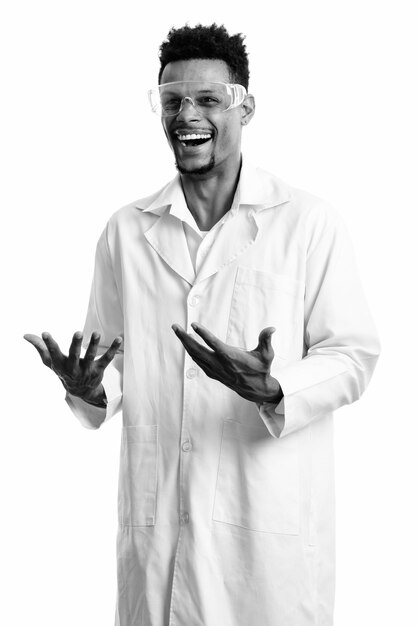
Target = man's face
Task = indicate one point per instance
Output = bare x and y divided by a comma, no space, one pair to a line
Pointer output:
223,149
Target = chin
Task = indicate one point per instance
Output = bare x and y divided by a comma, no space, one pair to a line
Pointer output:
197,171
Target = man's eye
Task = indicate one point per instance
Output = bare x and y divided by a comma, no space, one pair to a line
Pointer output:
171,103
208,101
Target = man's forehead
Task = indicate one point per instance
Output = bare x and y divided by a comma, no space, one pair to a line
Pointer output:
212,70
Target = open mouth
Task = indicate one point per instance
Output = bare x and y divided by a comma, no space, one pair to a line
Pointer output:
193,139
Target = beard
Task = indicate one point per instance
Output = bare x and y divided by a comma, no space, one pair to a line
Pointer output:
198,171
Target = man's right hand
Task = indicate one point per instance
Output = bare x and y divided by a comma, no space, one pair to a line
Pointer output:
81,377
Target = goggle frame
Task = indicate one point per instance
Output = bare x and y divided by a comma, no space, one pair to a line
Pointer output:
236,91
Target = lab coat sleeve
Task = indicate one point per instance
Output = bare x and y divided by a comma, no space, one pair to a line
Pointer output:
104,315
341,343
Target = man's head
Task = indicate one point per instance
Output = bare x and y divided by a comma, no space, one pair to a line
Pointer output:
196,60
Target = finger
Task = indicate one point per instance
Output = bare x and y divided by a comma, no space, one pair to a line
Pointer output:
41,348
110,353
209,338
196,350
92,348
74,351
264,341
54,349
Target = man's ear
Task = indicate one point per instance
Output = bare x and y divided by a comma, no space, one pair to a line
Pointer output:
247,109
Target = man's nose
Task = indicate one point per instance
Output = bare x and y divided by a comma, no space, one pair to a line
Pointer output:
188,109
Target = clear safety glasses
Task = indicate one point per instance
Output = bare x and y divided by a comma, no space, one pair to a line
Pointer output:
169,98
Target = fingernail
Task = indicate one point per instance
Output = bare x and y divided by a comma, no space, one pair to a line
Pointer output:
194,325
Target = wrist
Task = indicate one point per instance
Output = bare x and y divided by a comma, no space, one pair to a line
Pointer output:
96,397
274,393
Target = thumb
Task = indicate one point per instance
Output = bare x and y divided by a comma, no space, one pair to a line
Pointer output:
264,342
39,344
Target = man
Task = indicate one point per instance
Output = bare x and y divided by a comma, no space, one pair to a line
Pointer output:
226,505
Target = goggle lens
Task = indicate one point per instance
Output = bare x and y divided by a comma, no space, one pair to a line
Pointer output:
168,99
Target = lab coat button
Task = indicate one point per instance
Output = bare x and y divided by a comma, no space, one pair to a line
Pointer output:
191,373
194,300
184,518
187,446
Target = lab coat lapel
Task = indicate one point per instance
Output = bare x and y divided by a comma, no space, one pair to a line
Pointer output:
235,236
256,192
167,238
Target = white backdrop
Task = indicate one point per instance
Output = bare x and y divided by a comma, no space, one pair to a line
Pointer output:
335,84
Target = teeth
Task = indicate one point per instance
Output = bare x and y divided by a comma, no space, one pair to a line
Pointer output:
193,137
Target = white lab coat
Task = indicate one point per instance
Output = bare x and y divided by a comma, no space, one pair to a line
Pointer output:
226,509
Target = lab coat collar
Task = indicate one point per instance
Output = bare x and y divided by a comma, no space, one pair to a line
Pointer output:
260,189
256,188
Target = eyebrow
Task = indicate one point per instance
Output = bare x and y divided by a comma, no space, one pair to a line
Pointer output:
170,92
176,93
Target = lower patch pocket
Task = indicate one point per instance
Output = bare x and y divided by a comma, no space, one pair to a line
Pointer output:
258,480
138,475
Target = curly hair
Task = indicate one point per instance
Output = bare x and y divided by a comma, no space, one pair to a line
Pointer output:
207,42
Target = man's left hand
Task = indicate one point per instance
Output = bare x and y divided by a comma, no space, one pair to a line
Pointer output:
246,373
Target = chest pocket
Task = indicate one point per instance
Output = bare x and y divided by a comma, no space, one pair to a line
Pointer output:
258,480
262,299
138,475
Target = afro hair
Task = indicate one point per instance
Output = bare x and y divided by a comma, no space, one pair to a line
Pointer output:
206,42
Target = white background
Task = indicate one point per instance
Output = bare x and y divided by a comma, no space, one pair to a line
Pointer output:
336,114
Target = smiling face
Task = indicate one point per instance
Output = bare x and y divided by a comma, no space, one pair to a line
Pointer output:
218,147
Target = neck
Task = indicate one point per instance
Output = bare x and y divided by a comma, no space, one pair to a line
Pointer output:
210,196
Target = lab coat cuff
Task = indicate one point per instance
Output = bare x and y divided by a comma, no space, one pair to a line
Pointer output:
273,416
316,386
91,416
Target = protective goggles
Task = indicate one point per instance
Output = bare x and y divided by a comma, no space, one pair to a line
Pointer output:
169,98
